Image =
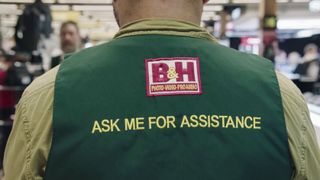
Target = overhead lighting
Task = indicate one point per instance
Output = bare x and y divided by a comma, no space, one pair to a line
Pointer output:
91,8
282,1
17,1
25,1
8,7
218,2
60,7
304,33
245,1
314,5
236,13
253,41
213,8
300,1
303,24
85,1
258,1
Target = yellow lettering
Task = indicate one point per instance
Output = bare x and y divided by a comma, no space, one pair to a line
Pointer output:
157,88
246,119
257,123
215,121
194,121
239,122
171,121
223,120
151,121
129,124
105,125
161,124
140,123
114,125
230,122
203,121
96,127
134,124
185,122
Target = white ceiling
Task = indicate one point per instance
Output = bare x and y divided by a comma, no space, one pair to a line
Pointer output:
95,17
110,1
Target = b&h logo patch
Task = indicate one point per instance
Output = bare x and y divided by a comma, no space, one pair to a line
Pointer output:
173,76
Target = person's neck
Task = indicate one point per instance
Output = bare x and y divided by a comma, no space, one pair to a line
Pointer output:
134,19
174,11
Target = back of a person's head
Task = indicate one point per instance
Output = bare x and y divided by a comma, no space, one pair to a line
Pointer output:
127,11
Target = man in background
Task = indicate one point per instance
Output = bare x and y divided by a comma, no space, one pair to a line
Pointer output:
3,66
70,40
309,69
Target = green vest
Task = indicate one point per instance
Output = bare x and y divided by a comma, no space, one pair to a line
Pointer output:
167,107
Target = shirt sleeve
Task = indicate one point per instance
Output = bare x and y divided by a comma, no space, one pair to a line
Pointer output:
302,138
29,143
15,159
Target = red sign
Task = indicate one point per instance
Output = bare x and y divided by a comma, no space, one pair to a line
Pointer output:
173,76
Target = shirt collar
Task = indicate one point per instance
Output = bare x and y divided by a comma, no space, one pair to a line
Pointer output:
164,27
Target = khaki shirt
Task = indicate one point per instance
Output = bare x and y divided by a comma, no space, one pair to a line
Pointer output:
29,143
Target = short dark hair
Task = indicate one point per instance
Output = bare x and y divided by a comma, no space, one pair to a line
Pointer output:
66,23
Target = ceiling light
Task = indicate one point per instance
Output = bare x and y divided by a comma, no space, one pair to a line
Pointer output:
314,5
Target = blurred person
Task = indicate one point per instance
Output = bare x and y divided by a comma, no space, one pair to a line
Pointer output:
3,66
70,40
280,55
6,65
33,25
311,52
2,59
162,100
209,25
269,53
273,52
310,67
294,59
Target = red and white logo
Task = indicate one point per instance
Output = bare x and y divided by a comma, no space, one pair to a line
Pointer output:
173,76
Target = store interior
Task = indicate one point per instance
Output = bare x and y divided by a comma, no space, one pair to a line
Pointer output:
286,32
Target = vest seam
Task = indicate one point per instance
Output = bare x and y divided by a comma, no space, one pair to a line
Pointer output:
303,146
28,139
281,94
